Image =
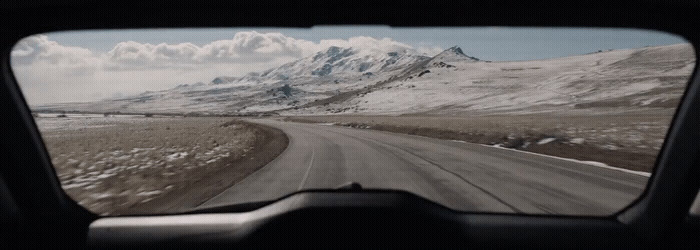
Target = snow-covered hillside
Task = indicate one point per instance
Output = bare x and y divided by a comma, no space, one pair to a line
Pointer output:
612,81
371,81
320,76
453,54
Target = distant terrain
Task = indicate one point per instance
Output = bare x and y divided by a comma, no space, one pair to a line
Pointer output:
357,81
173,150
606,101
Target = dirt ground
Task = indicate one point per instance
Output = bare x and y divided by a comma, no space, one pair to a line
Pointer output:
630,141
148,165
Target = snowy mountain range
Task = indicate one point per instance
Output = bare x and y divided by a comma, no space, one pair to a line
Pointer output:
354,80
651,78
336,61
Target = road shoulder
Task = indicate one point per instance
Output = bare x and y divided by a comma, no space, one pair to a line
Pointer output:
270,143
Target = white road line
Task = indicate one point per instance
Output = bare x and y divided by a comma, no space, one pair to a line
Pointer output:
308,170
589,163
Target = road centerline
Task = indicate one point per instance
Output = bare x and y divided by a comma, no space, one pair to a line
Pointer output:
308,170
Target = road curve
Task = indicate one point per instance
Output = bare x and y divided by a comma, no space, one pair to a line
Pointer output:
461,176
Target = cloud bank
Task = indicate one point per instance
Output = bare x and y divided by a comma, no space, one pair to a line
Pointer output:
41,53
131,67
245,47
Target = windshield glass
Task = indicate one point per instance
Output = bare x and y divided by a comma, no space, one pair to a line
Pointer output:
481,119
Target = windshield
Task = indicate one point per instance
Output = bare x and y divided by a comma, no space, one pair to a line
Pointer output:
480,119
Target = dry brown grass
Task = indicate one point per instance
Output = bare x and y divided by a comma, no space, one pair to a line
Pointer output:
142,165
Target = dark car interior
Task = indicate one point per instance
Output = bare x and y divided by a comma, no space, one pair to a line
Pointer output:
35,211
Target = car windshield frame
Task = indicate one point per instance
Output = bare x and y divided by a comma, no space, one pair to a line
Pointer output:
611,214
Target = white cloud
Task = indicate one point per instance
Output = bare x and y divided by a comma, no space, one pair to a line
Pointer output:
245,47
430,51
368,44
50,72
40,52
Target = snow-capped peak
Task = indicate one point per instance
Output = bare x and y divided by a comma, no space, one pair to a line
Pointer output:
456,49
453,54
335,61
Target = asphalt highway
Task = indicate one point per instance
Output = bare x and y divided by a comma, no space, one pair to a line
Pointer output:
458,175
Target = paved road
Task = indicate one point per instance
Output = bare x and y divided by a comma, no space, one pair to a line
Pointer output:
459,175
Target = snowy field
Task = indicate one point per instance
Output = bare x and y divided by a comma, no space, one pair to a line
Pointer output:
606,82
112,164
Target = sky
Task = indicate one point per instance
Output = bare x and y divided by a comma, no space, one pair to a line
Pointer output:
79,66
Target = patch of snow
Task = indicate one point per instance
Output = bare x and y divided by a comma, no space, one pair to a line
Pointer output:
101,196
146,200
175,156
105,175
75,185
577,140
149,193
546,140
213,150
135,150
